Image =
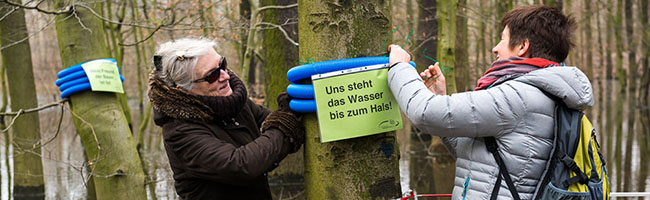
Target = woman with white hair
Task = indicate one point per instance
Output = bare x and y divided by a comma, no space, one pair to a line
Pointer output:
219,143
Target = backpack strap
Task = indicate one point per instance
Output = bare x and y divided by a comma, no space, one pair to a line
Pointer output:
492,147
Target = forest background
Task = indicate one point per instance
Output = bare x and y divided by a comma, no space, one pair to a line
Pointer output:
42,153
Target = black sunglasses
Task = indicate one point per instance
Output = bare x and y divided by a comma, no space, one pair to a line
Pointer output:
213,75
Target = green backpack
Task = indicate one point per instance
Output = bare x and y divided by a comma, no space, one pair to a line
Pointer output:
576,169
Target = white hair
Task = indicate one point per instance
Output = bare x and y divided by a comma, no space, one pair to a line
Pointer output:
179,58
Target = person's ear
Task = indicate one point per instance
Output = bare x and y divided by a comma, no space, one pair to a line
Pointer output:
523,49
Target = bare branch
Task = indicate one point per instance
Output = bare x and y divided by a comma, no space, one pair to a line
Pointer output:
145,39
21,111
279,27
52,12
29,36
276,7
13,9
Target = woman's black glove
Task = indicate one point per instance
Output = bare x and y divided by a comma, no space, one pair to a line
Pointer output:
287,121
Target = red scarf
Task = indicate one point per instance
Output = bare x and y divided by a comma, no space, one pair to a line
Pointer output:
512,65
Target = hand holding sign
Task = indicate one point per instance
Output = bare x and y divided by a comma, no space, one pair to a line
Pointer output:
434,79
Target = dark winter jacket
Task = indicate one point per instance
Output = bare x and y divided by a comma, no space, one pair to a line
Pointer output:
214,145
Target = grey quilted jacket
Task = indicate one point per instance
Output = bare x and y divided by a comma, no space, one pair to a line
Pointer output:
517,113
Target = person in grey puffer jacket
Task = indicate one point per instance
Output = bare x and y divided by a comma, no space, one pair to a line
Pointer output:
510,103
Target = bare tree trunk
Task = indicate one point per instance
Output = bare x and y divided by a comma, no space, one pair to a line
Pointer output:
462,46
502,7
280,55
631,103
420,163
609,127
353,168
447,44
589,48
98,116
622,86
425,34
28,166
643,138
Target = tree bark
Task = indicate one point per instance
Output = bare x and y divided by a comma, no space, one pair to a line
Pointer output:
502,7
609,127
447,44
462,46
588,47
426,34
98,116
643,138
620,72
359,168
631,103
280,55
17,59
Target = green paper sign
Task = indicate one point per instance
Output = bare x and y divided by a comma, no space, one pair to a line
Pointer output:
103,76
355,102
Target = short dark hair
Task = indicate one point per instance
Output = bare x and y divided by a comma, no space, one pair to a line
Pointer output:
547,29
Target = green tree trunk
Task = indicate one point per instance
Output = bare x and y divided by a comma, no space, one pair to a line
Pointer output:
443,163
600,77
643,138
446,15
359,168
588,48
98,116
620,101
502,7
280,55
462,46
631,101
609,126
28,167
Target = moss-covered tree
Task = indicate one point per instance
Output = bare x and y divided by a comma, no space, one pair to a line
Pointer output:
280,55
98,116
631,101
17,59
359,168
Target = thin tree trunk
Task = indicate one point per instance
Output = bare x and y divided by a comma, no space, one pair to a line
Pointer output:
462,46
620,72
353,168
589,48
600,77
98,116
420,164
280,55
421,177
631,103
502,7
426,32
480,43
609,127
447,45
3,108
28,166
643,138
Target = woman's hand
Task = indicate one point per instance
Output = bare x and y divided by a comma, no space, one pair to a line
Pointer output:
434,79
397,54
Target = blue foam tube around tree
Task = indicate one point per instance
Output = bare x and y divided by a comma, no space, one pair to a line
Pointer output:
77,67
298,73
301,91
303,105
74,89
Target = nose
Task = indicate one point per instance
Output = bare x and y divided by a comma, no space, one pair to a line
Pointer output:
224,76
494,49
